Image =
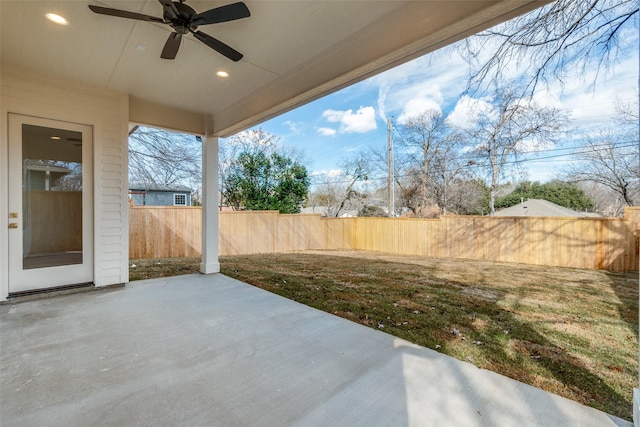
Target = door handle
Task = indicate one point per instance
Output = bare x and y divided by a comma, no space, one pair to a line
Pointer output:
13,225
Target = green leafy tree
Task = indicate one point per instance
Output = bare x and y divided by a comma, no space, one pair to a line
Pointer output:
261,180
559,192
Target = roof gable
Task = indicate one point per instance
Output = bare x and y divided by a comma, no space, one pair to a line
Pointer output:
159,187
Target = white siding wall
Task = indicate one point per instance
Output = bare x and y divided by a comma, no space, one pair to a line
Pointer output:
107,112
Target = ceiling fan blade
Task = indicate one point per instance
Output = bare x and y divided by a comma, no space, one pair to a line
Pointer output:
170,9
218,46
171,47
124,14
230,12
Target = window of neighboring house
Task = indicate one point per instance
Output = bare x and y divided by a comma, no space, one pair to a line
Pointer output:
179,200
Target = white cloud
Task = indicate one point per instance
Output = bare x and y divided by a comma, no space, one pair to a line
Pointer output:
589,107
293,126
383,92
547,99
467,110
416,107
532,146
439,76
442,76
467,149
326,131
363,120
352,149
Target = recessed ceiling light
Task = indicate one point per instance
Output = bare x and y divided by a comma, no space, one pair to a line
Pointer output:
55,138
56,19
222,74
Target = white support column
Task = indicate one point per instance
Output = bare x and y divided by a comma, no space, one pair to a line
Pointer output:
210,263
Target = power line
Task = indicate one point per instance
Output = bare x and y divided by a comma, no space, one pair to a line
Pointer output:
575,151
581,150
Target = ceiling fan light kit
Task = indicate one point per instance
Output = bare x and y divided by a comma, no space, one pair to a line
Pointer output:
184,20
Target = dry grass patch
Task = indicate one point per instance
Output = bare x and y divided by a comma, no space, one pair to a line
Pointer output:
140,269
571,332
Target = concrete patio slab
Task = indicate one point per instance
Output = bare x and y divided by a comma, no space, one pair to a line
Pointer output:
212,351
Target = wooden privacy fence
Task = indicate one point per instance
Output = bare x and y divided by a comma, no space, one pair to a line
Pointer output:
165,232
590,243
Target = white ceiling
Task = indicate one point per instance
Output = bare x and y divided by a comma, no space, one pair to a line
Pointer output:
294,51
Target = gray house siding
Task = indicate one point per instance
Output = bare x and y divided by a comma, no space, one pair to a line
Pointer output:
158,195
158,198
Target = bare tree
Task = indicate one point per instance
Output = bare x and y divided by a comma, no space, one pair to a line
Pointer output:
610,161
157,156
253,141
431,159
466,197
411,195
546,43
422,138
505,130
605,201
450,174
339,193
332,196
628,115
71,181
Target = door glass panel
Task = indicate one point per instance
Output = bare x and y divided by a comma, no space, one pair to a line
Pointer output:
51,197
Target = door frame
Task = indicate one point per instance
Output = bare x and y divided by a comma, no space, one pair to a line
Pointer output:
21,280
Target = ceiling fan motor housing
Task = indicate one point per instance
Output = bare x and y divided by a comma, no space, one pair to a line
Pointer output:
183,23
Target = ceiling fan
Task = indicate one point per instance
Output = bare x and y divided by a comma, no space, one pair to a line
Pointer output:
183,20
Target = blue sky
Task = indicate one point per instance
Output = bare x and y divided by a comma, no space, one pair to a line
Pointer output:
353,119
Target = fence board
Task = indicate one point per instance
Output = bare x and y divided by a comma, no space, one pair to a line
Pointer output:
44,207
592,243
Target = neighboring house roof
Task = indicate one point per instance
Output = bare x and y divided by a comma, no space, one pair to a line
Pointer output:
322,210
539,207
159,187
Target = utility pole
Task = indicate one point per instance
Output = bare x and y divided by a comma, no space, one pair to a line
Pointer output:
391,194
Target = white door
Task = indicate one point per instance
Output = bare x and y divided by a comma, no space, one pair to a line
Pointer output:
50,203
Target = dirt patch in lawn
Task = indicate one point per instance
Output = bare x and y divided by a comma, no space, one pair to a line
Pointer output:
571,332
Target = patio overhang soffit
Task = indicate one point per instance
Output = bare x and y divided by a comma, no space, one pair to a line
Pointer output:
294,52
